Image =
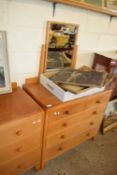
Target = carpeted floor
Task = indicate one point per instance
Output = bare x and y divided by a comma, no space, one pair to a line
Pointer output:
97,157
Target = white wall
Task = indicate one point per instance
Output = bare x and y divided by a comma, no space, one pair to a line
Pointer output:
25,23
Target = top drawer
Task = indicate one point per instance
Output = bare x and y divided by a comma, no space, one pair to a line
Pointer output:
77,106
12,132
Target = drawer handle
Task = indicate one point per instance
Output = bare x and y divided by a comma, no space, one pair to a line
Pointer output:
62,137
56,113
60,148
94,112
88,134
64,124
19,133
18,149
98,101
91,123
66,112
19,166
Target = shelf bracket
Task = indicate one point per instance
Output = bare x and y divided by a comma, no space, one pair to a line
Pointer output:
54,8
111,17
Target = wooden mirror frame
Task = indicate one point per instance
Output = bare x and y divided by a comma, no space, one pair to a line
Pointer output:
44,50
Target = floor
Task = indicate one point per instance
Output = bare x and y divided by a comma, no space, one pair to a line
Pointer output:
97,157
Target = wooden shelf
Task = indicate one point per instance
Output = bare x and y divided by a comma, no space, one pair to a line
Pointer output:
87,6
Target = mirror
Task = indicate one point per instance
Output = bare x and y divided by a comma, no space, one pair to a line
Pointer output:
60,45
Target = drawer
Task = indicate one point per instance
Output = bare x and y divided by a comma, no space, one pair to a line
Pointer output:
77,129
20,164
71,143
73,107
19,129
18,148
71,120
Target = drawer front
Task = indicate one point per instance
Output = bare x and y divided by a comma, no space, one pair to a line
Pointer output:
69,121
16,149
65,146
19,165
77,129
14,131
80,105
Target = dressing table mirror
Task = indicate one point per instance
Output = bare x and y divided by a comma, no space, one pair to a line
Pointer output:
60,46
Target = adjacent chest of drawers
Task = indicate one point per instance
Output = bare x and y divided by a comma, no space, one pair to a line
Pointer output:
68,124
21,128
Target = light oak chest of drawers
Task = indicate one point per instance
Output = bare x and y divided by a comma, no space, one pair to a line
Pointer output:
21,129
67,124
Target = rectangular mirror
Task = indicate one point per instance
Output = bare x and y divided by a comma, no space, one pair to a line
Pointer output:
60,45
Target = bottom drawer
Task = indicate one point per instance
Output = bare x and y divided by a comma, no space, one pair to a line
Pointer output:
19,165
60,148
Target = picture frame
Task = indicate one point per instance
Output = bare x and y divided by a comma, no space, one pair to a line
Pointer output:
5,84
111,4
110,116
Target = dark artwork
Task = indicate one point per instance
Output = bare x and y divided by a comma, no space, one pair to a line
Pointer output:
80,78
2,78
88,79
62,76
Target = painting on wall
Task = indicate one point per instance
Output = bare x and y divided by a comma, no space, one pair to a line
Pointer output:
94,2
5,85
111,4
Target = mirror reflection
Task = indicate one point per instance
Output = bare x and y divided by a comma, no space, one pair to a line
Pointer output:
61,39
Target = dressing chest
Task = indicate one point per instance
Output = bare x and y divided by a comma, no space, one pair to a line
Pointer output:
21,128
67,124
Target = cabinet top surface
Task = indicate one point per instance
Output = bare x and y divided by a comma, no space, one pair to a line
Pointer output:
47,100
17,105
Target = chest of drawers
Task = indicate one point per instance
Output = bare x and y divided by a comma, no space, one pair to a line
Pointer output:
67,124
21,128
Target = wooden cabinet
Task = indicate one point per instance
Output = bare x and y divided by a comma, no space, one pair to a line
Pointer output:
105,63
70,123
21,129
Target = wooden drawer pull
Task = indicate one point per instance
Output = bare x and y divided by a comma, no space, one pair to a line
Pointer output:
66,112
18,149
91,123
19,133
62,137
94,112
60,148
64,124
19,166
98,101
88,134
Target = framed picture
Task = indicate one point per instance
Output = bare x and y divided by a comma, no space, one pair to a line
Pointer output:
5,84
111,4
110,117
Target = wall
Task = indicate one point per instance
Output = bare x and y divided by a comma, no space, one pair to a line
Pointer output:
25,23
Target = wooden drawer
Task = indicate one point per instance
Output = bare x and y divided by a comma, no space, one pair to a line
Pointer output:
20,164
77,129
19,129
77,106
70,120
20,147
64,146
